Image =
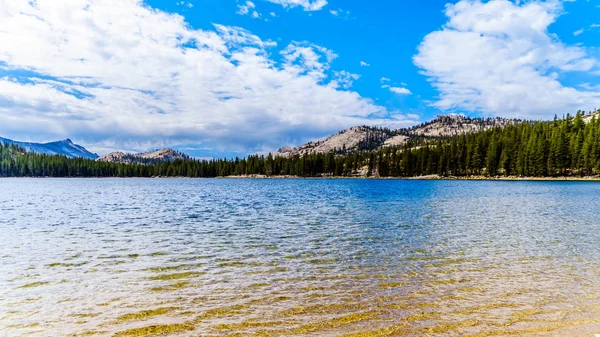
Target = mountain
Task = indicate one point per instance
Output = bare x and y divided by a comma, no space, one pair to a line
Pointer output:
153,157
63,147
69,149
345,141
374,138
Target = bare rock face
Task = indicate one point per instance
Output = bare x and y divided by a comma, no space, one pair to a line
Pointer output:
113,157
152,157
398,140
588,117
164,154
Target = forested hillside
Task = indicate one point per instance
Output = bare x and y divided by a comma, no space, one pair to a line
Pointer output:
563,147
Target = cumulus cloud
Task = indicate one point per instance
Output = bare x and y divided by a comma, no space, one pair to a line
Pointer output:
364,64
340,13
399,90
343,79
246,8
307,5
498,58
186,4
121,75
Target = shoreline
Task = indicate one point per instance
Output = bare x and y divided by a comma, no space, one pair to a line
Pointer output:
428,177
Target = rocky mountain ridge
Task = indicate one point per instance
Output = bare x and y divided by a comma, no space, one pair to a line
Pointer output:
453,125
151,157
373,138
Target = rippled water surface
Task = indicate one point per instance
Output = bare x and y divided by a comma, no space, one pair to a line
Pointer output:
140,257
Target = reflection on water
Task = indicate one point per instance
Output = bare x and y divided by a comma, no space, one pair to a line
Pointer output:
136,257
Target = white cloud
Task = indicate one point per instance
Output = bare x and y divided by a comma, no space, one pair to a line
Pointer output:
343,79
364,64
307,5
398,90
498,58
120,75
340,13
303,58
186,4
246,8
578,32
385,79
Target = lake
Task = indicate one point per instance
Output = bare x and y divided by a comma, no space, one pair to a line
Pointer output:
298,257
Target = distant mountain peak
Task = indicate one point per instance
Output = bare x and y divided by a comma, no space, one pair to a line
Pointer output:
63,147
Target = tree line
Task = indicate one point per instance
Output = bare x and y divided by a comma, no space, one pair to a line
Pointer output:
562,147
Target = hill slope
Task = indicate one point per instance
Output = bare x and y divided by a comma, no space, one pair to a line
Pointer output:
63,147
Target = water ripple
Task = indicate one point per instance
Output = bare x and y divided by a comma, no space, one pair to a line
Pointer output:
142,257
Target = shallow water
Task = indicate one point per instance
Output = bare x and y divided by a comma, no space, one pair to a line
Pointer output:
137,257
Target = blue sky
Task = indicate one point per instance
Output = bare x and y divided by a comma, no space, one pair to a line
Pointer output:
384,34
231,77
